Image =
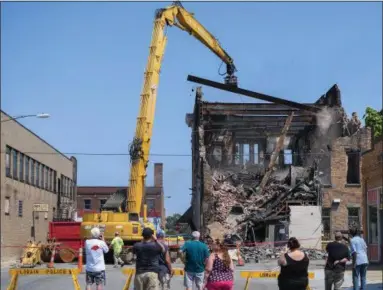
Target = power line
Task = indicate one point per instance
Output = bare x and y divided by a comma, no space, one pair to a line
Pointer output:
177,155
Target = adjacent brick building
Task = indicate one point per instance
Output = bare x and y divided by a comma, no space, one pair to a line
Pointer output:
372,169
29,178
92,198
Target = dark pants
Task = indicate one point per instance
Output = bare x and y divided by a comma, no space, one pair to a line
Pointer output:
292,284
333,278
359,272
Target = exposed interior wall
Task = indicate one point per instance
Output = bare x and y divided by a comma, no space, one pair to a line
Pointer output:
306,225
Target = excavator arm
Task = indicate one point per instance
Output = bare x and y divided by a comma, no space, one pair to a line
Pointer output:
174,15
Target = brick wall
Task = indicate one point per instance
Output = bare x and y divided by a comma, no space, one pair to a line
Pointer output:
350,195
158,175
372,171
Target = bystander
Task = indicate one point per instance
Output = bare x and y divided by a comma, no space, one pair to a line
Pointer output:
95,248
196,255
337,257
147,261
359,260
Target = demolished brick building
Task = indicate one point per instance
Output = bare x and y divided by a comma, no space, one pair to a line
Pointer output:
246,182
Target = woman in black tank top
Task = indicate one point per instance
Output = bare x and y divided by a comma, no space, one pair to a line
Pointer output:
294,268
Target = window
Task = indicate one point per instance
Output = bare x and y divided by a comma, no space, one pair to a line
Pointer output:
32,172
64,185
353,218
26,169
6,205
326,222
373,232
46,177
54,181
42,175
87,204
353,167
20,208
151,203
8,162
71,190
256,154
14,163
288,156
21,169
102,202
37,174
246,153
50,184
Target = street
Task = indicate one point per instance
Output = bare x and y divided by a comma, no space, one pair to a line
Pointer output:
116,280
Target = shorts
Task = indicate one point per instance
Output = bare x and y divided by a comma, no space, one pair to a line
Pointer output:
97,278
146,281
165,282
220,285
191,277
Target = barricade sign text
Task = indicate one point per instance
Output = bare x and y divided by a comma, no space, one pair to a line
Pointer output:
15,273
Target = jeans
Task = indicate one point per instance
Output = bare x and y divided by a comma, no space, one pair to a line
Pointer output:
117,259
360,271
333,278
191,277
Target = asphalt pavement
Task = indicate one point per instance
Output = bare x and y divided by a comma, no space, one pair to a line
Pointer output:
116,279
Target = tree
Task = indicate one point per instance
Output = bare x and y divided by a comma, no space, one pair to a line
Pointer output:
171,223
374,120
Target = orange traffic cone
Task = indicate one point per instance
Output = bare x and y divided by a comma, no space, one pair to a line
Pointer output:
51,262
240,261
80,260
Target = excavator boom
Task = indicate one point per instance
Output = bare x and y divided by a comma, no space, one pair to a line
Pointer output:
174,15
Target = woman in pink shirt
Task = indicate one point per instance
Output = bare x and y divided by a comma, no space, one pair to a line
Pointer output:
219,269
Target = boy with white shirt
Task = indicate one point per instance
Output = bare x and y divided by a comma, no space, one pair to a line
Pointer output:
95,248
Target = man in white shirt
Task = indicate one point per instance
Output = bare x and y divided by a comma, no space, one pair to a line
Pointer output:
95,248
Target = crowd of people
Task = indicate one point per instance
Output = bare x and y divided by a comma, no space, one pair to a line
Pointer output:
213,268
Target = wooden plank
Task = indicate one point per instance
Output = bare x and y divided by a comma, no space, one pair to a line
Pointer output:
275,153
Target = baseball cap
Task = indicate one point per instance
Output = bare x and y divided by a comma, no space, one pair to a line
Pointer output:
147,233
160,234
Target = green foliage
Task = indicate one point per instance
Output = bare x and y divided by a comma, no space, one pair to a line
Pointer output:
374,120
171,222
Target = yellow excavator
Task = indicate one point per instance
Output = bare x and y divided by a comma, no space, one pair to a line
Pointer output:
121,212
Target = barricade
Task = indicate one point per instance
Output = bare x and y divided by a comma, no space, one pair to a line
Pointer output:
15,273
248,275
131,271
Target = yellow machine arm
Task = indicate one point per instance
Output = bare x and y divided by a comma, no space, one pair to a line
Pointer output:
174,15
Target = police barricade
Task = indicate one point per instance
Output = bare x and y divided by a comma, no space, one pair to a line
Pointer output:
131,271
15,273
248,275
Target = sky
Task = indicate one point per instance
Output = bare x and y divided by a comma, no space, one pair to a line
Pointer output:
84,63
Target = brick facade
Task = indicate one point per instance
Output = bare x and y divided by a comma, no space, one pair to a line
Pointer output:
95,195
372,170
20,188
350,195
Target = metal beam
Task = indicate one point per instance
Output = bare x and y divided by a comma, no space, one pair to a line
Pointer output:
245,119
251,94
250,106
283,113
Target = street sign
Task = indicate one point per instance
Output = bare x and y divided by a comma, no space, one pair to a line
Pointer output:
40,207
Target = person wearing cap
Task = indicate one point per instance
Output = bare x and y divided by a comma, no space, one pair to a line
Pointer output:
117,244
337,256
95,248
148,253
165,271
196,255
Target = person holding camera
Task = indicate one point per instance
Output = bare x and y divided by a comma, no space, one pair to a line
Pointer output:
148,253
294,265
95,248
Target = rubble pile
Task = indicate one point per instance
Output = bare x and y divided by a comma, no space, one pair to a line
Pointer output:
238,204
267,252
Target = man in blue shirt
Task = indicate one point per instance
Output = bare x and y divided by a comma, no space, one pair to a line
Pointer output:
196,255
359,261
